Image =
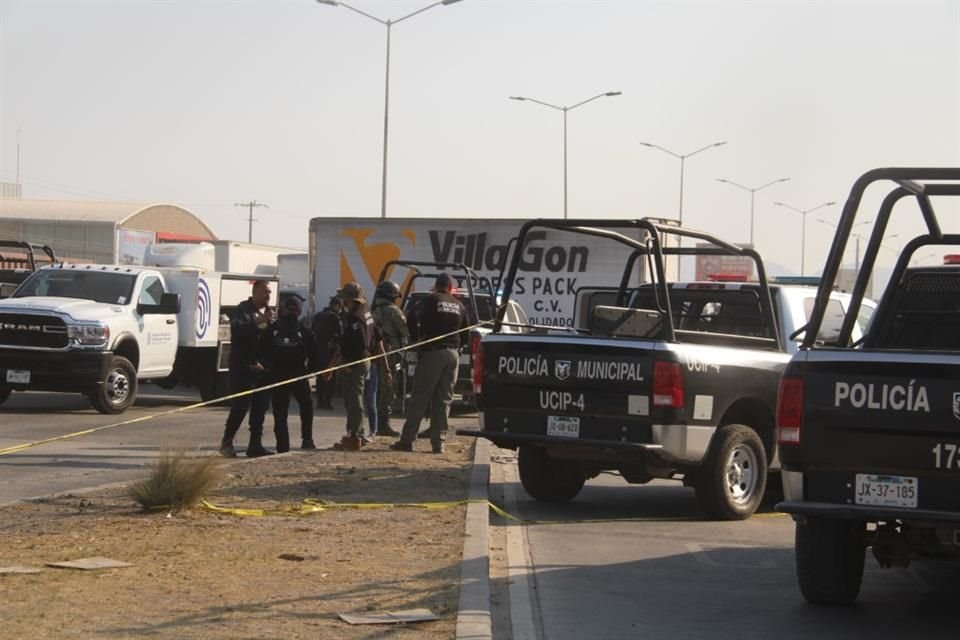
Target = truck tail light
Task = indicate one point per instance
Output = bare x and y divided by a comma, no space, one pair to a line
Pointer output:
789,411
667,385
477,354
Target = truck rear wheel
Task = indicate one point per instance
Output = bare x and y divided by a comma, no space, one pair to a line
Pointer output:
548,480
119,388
215,385
829,557
731,482
5,393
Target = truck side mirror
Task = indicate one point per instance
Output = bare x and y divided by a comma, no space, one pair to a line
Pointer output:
7,289
169,303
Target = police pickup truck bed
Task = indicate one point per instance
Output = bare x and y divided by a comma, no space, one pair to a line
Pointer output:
674,380
869,437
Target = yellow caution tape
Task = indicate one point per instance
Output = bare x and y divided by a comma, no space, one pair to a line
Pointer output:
197,405
311,506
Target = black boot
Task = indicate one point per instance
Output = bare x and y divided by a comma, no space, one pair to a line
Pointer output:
255,448
283,442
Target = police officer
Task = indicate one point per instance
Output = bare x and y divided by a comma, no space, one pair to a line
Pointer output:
439,314
249,320
288,350
392,324
357,343
326,329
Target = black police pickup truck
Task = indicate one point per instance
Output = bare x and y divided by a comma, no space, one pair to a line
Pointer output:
655,379
869,437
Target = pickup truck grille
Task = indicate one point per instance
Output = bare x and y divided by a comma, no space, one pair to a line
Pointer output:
27,330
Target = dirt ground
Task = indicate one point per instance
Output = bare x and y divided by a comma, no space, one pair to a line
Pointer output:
202,574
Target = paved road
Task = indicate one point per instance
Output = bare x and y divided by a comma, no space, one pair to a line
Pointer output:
119,454
640,562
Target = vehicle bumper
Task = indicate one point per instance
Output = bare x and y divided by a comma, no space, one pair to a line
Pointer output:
74,371
830,510
675,442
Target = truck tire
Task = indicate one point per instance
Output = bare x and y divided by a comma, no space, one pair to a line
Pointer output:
829,556
548,480
119,388
5,393
215,385
733,477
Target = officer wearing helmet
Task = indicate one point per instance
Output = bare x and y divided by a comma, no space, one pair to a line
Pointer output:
392,324
288,350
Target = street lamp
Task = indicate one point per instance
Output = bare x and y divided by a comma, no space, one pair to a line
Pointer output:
803,233
752,192
386,92
682,158
565,110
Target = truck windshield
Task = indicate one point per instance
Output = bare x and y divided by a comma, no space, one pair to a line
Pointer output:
99,286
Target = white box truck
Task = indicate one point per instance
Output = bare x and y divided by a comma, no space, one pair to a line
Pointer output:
99,330
554,268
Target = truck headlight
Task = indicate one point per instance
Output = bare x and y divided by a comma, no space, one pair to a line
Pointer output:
88,334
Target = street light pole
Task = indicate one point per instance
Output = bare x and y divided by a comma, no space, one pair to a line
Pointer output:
386,90
803,233
564,110
753,192
682,158
857,236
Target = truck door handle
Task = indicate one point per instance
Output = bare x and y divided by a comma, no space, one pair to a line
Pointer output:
170,320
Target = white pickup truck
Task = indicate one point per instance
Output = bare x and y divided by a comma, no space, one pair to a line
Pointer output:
100,329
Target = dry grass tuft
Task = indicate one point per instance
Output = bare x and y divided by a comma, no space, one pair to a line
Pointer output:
177,480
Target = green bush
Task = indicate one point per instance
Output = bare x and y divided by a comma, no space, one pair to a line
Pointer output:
177,481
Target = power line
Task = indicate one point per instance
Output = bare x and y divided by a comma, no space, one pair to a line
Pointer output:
250,205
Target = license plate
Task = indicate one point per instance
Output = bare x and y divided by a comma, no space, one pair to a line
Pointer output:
563,426
887,491
18,376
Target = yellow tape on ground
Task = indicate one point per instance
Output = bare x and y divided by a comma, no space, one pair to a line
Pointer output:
197,405
311,506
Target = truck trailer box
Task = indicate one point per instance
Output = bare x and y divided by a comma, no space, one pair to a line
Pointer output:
555,264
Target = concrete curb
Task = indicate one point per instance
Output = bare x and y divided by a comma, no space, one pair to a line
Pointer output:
473,615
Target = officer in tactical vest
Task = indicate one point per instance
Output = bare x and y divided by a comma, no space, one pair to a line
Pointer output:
357,344
289,350
393,328
440,317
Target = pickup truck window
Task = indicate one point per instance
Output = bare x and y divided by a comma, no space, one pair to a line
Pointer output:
152,290
925,314
713,310
99,286
832,320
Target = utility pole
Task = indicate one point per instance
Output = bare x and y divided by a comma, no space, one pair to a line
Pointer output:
250,205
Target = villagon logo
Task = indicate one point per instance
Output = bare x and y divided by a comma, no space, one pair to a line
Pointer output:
472,250
896,397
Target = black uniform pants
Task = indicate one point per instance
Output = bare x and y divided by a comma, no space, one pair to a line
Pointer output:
281,405
243,379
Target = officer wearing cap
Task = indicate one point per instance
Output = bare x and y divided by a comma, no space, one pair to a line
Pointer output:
392,324
439,314
357,342
289,350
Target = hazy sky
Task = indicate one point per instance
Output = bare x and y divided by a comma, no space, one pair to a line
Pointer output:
210,103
